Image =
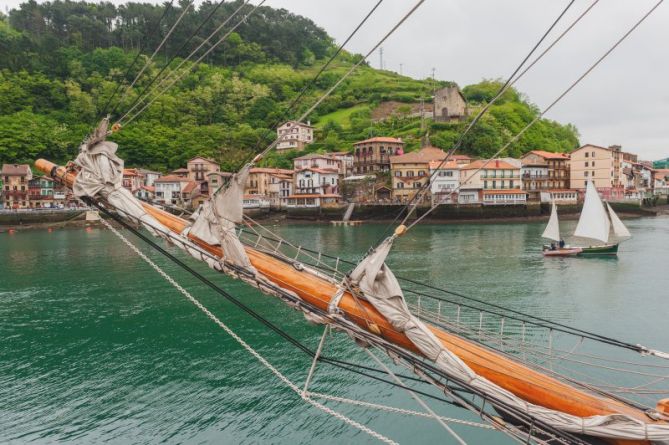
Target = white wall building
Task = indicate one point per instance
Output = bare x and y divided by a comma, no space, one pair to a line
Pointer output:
445,180
168,189
316,181
294,135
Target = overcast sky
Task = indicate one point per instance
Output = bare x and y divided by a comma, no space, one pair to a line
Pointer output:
624,101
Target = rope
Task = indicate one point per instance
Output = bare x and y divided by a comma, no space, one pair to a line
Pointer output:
393,409
416,197
148,62
355,331
308,86
417,399
127,72
245,345
176,53
540,115
348,73
195,64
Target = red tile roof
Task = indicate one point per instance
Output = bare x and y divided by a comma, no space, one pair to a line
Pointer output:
171,178
446,165
380,139
192,185
492,164
15,169
550,155
424,155
274,171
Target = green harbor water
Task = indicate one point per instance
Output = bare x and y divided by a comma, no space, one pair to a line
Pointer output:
96,347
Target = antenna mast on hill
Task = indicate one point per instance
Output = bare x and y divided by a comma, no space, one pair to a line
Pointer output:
381,58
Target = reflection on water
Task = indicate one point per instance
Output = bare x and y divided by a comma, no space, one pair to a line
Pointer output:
95,346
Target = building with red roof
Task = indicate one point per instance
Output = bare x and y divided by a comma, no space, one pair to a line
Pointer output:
373,155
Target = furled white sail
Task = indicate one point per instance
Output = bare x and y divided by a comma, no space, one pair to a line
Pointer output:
553,228
618,227
593,223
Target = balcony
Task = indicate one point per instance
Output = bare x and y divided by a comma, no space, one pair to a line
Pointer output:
535,177
484,176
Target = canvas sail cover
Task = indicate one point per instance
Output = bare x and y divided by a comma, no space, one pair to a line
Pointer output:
381,288
215,221
593,223
552,230
618,227
101,175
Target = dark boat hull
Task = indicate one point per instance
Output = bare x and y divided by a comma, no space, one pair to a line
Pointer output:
607,249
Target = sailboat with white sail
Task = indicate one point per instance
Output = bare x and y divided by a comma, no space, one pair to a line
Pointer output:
595,223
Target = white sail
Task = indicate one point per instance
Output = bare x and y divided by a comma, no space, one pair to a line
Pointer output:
593,223
618,227
553,228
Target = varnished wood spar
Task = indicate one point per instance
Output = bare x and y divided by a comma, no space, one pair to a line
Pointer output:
526,383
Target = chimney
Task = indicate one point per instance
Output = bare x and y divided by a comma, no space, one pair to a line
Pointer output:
496,163
309,123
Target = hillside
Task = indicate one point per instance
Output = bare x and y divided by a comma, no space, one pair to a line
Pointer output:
62,61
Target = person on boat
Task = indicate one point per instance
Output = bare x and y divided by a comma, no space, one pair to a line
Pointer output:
561,244
553,246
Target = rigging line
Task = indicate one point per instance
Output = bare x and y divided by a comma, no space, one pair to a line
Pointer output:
127,72
177,52
420,401
245,345
146,91
349,72
558,99
195,64
396,350
541,322
308,86
292,340
148,62
415,197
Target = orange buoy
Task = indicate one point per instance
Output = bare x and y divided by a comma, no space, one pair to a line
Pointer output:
11,231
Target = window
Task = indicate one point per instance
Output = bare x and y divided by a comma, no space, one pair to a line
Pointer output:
410,173
586,163
416,185
585,174
593,154
485,184
586,183
421,172
400,185
587,154
398,173
510,184
593,163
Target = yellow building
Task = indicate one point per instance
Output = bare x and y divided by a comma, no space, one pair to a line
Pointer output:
493,175
592,163
260,179
411,171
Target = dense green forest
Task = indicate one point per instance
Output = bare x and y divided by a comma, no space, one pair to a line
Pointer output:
62,61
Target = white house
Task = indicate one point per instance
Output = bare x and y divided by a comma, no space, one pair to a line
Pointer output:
149,176
445,180
504,197
559,196
280,187
168,189
342,162
469,194
293,135
255,202
316,181
310,200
